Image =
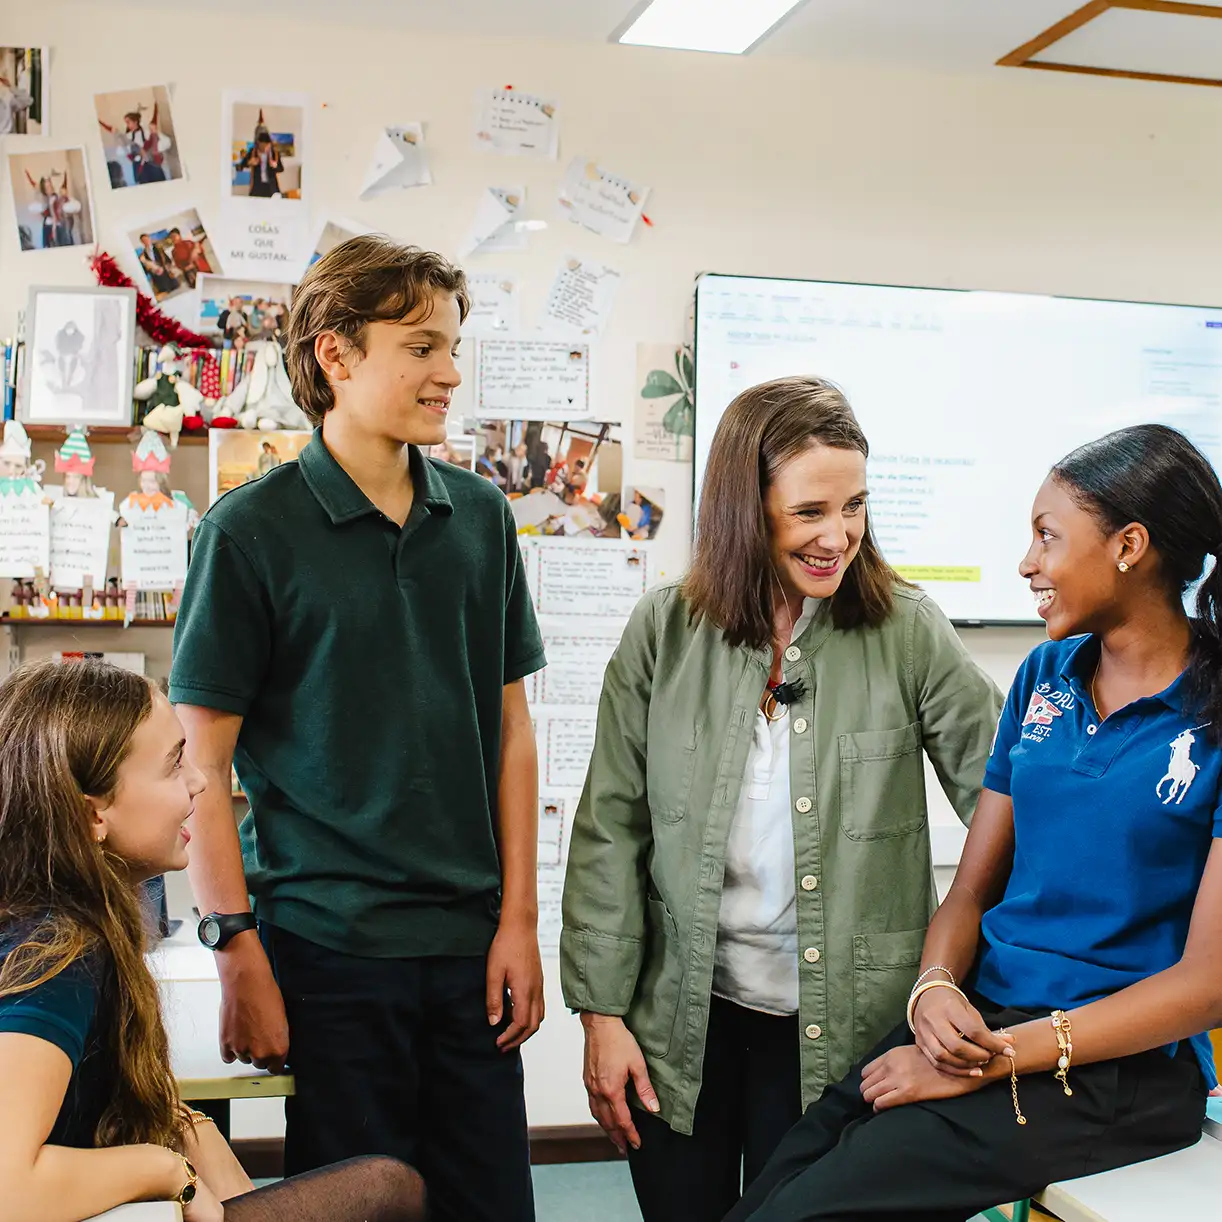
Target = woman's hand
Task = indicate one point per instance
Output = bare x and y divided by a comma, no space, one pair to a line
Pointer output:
612,1058
905,1075
952,1034
205,1207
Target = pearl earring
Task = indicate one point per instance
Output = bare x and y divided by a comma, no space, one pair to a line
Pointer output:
1123,567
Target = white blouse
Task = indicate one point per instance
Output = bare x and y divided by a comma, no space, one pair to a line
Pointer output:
756,962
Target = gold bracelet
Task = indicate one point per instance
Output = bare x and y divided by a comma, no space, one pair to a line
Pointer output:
1018,1112
1064,1033
195,1116
922,989
937,967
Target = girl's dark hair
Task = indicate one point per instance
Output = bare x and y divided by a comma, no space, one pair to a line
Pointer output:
1155,476
731,580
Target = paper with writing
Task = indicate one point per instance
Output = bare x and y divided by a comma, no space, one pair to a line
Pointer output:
153,547
399,161
580,299
517,123
494,304
25,536
600,201
532,380
80,541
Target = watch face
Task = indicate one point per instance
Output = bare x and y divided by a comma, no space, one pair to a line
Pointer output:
209,931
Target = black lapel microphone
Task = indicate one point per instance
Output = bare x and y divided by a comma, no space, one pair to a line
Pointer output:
789,693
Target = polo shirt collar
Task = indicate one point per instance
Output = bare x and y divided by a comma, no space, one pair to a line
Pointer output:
338,494
1078,669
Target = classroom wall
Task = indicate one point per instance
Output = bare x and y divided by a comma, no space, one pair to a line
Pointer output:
998,179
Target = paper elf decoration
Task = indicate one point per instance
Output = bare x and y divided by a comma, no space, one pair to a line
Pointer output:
19,477
74,461
151,461
159,327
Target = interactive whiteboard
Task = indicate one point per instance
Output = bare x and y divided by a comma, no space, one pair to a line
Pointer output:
967,399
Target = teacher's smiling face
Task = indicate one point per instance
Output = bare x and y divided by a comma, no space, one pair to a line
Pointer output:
815,508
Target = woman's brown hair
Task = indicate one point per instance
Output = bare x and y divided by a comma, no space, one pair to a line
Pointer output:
731,579
65,730
365,279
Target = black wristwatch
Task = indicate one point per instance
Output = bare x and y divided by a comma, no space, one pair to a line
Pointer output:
218,928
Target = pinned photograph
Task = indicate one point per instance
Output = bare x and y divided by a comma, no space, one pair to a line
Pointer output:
138,136
332,234
641,515
243,310
561,478
266,153
23,91
51,198
173,253
240,456
460,451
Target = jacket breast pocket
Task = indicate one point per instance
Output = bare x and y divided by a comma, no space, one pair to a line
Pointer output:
884,967
655,1005
882,783
669,768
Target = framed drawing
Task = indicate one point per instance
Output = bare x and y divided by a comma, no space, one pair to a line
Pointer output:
78,357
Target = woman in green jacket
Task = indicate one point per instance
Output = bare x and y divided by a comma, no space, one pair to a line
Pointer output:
749,880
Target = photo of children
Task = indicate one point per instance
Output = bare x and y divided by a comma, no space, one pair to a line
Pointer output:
238,456
561,478
51,198
23,92
641,515
243,310
264,159
333,233
137,131
173,253
457,450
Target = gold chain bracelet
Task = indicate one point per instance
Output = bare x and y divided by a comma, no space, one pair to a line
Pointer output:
1018,1111
1064,1033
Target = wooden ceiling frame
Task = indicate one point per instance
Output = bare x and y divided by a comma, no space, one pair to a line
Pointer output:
1022,57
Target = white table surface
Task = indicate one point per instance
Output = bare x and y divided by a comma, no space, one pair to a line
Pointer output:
1181,1187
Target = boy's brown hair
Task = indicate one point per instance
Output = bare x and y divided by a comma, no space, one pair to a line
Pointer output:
365,279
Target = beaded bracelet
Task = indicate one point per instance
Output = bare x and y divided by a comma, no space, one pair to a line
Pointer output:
937,967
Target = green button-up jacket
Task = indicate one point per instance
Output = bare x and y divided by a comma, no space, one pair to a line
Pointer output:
643,887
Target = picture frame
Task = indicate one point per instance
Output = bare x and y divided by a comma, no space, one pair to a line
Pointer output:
78,359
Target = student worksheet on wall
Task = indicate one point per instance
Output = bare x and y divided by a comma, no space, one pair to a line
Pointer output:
967,399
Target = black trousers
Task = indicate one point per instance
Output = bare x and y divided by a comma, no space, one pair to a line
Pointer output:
750,1096
396,1056
945,1160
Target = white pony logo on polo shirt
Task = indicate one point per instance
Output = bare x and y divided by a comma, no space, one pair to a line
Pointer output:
1182,770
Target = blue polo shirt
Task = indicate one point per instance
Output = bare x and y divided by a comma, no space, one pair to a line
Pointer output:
1113,822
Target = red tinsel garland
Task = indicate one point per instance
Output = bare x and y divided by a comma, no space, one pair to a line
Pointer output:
159,327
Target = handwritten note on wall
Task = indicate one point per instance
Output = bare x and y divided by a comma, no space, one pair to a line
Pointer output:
604,203
517,124
532,379
154,548
580,299
25,536
80,541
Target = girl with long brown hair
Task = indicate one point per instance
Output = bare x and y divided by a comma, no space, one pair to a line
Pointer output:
95,791
749,880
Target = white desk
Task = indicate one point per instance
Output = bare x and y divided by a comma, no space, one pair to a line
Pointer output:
1181,1187
191,1004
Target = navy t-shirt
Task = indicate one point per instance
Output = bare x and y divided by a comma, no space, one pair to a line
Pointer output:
1113,822
63,1012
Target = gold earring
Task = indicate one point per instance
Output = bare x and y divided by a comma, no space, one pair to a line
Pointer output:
1123,567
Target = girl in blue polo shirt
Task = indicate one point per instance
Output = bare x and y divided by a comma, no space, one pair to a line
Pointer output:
94,795
1057,1028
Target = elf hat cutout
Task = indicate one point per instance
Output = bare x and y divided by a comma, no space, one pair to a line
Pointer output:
150,454
16,444
75,457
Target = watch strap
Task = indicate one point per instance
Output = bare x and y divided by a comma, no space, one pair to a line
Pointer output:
230,924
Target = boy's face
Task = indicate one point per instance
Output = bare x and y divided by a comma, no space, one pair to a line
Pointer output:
400,389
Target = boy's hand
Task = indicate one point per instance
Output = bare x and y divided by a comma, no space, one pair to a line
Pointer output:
514,964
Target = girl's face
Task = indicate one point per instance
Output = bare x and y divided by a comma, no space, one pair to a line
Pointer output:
143,820
72,483
148,482
816,514
130,123
1071,564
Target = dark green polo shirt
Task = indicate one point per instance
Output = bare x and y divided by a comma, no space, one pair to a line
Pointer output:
367,662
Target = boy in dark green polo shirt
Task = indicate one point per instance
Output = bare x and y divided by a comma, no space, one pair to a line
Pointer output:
353,636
